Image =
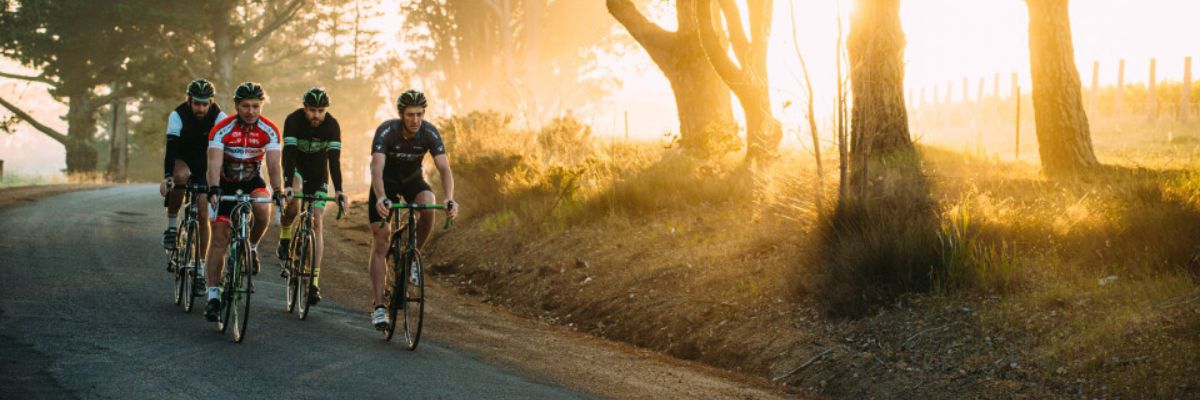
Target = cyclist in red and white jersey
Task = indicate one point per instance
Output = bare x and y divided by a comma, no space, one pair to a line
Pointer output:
236,148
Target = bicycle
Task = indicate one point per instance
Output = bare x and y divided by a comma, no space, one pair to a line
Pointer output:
182,260
407,295
298,271
236,280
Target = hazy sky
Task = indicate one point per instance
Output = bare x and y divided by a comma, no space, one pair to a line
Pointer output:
947,40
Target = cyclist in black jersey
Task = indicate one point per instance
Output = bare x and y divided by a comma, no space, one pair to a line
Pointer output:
397,154
312,145
186,157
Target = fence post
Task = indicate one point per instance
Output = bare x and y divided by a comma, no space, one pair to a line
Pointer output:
1120,88
1187,86
1152,93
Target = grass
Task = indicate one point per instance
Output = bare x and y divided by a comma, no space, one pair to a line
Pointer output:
12,179
695,255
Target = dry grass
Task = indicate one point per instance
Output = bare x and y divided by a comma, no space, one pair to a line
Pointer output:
698,257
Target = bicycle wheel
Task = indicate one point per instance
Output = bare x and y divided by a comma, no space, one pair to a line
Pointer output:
392,291
290,279
414,299
241,296
227,286
191,257
304,274
177,258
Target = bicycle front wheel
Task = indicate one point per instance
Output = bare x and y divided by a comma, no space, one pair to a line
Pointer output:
228,286
191,257
304,276
241,295
393,292
414,299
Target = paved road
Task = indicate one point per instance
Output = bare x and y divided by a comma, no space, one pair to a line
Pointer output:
85,312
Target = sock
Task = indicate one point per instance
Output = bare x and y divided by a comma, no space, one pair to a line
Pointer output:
317,277
214,292
285,233
200,268
171,220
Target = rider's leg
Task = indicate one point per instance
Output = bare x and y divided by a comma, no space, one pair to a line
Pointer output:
381,234
262,217
180,175
215,258
290,210
426,217
202,205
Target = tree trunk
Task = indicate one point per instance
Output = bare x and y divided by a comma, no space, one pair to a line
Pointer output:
118,143
81,132
701,99
1064,139
879,121
224,55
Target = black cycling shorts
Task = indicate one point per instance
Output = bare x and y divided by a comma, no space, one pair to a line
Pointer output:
408,190
253,186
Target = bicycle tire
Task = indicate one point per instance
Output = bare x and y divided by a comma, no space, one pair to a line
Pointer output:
305,275
177,257
193,251
227,287
414,300
241,296
392,292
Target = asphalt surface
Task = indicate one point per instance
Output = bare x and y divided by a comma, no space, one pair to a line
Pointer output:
86,312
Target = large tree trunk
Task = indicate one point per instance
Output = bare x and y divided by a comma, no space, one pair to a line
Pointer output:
118,150
81,132
879,120
748,77
701,99
1064,139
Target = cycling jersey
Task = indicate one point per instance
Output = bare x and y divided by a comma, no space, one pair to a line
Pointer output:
187,138
310,151
244,146
403,155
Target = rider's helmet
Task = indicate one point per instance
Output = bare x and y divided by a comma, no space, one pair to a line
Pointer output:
200,90
249,90
316,97
411,98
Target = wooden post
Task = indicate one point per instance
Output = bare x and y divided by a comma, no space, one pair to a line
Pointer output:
1187,87
1095,92
1120,88
627,126
1,170
1152,93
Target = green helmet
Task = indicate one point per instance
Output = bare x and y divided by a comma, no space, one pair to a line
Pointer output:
200,90
316,97
249,90
411,98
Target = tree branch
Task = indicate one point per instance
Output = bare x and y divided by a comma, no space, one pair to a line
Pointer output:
737,33
652,37
252,44
38,79
117,93
185,61
717,56
56,135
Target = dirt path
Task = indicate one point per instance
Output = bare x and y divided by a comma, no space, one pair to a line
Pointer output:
573,359
15,195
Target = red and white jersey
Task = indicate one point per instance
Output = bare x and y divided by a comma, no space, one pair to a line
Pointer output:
244,146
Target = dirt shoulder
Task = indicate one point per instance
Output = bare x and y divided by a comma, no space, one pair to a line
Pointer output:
16,195
543,350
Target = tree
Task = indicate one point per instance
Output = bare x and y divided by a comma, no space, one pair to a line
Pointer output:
1064,139
701,98
879,120
748,76
81,48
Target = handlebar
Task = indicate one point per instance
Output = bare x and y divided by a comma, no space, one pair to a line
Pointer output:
313,197
414,206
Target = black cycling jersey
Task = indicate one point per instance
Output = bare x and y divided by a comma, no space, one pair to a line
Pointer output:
310,150
187,138
403,155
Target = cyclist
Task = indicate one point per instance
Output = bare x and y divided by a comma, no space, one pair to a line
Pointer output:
187,141
312,142
236,148
397,153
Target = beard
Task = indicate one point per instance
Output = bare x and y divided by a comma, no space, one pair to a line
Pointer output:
315,122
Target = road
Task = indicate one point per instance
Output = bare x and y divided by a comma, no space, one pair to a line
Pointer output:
85,312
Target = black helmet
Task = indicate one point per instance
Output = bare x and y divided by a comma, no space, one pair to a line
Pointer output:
200,90
411,98
316,97
249,90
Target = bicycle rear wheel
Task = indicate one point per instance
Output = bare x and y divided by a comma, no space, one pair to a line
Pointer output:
290,279
241,295
414,299
304,275
177,258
